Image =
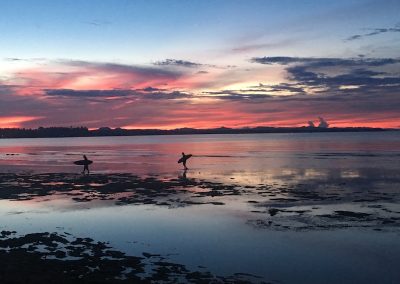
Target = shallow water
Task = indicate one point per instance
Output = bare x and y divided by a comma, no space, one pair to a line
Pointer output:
247,153
220,237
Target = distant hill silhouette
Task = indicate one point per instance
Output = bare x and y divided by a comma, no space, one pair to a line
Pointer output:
49,132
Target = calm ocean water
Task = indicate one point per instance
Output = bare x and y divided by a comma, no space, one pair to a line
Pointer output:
218,237
249,154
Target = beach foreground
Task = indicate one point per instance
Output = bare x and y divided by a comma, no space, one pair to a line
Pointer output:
304,208
337,205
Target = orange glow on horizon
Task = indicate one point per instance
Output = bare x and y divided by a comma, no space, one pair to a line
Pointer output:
16,121
231,100
210,125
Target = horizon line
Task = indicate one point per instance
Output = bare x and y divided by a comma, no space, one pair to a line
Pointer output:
193,128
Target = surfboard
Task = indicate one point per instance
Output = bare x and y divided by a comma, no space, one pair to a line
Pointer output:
184,158
83,162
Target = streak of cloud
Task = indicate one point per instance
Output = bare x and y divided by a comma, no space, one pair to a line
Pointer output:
178,62
374,32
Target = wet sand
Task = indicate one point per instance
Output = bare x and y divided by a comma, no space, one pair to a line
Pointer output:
337,204
309,208
62,258
303,206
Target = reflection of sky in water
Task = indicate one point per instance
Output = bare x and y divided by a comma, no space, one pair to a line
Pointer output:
219,240
217,236
214,153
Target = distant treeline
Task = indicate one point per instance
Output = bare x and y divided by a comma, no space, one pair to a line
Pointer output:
48,132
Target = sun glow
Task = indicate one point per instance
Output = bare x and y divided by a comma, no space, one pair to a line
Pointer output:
16,121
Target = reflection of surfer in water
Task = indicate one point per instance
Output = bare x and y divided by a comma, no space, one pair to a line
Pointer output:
183,176
85,162
183,159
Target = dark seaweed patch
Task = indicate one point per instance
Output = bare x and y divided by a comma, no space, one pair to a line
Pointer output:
56,258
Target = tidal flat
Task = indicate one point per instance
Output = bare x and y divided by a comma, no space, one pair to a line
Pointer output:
250,209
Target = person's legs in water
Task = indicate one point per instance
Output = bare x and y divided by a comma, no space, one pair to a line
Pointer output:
85,168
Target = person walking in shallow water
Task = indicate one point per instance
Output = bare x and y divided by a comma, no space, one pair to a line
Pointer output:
85,163
183,159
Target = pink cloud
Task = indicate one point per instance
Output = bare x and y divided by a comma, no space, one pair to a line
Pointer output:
51,95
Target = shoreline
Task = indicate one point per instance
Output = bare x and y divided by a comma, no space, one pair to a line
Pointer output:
304,206
184,132
300,207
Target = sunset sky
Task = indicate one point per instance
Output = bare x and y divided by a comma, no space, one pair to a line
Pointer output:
202,64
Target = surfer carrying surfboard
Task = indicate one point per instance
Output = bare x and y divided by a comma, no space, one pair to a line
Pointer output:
86,165
85,162
184,158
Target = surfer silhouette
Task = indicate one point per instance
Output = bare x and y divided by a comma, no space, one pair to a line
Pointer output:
85,166
183,159
85,163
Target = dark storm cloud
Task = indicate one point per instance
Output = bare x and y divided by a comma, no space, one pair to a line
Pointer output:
177,62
